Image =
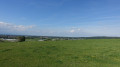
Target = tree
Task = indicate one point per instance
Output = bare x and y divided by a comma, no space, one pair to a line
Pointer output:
21,38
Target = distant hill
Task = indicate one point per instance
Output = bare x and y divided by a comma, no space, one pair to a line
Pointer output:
56,37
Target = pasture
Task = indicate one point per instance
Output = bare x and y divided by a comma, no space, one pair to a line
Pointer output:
66,53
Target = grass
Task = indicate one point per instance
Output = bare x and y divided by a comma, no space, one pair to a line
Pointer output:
76,53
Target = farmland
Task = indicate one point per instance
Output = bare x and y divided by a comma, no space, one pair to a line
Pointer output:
65,53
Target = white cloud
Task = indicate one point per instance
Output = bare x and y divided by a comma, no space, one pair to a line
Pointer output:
78,29
75,29
8,27
72,31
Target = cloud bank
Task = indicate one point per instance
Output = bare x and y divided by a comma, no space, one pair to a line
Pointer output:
8,28
12,28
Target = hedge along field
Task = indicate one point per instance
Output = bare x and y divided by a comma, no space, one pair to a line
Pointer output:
71,53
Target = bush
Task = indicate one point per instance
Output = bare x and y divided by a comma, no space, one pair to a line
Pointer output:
21,38
1,41
48,39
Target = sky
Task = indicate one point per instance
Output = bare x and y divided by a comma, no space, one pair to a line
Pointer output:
73,18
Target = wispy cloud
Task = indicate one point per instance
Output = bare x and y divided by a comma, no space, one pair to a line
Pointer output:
74,30
8,28
12,28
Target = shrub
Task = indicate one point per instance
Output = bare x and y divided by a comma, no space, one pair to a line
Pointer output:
48,39
1,40
21,38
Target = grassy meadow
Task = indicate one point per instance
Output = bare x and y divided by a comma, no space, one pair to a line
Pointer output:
69,53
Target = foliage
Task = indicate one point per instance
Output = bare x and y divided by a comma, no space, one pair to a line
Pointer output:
1,40
48,39
21,38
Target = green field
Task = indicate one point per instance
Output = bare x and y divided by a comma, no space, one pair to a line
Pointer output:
69,53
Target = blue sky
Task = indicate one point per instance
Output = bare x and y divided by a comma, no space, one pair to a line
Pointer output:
75,18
